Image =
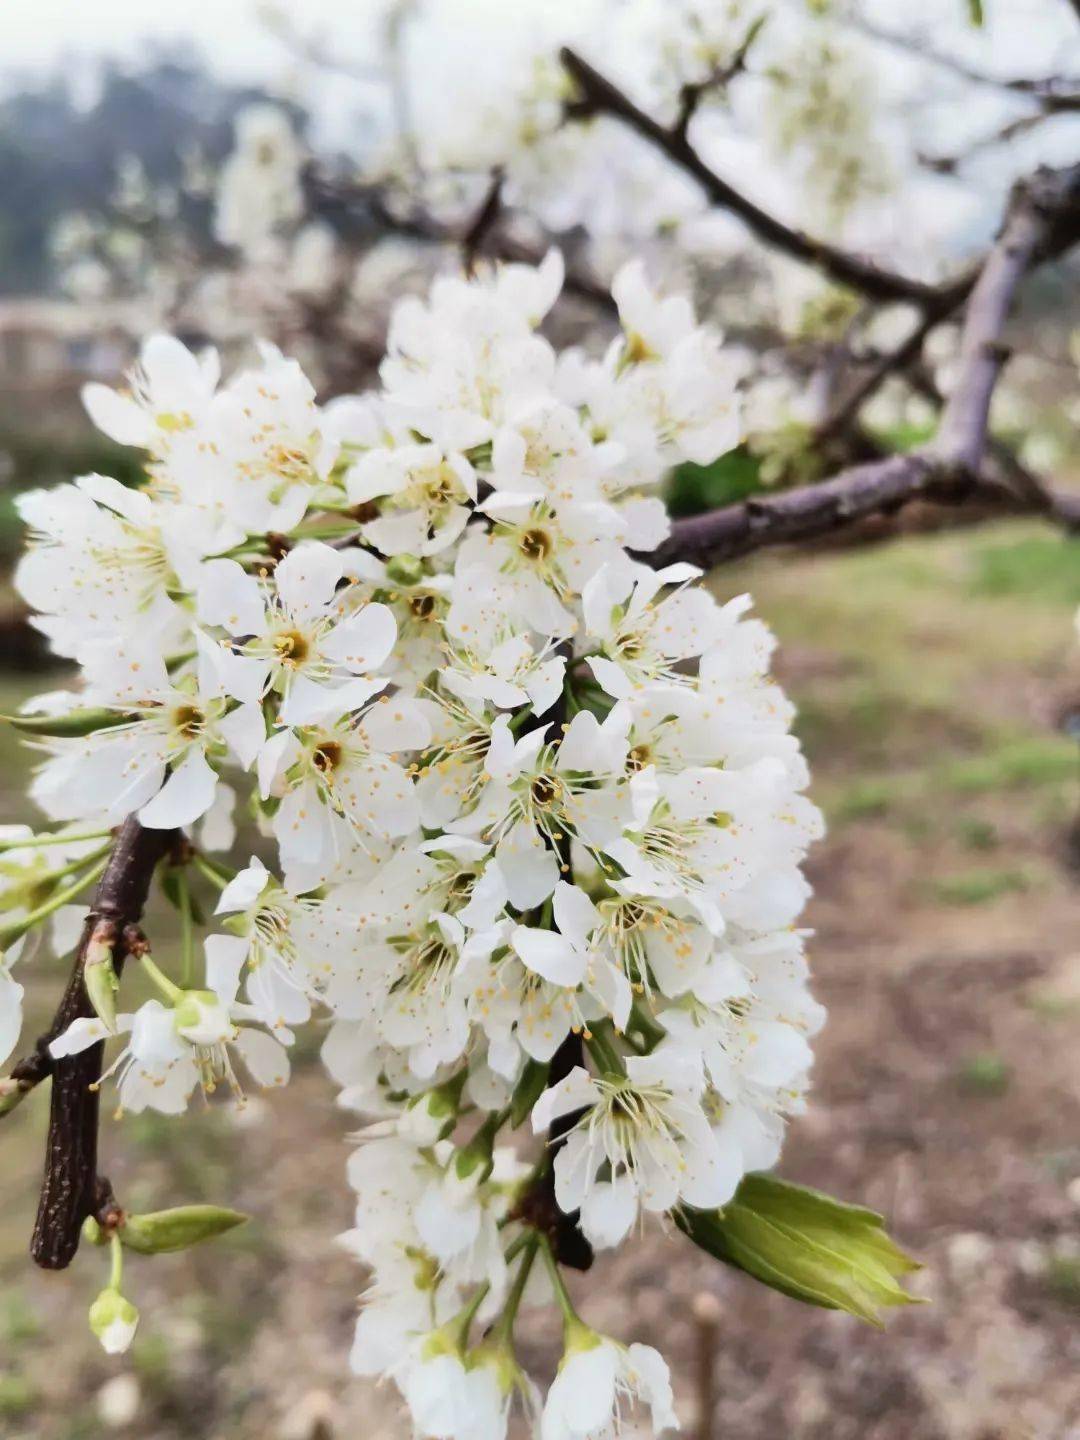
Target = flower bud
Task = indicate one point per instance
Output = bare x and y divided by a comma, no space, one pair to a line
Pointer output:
99,978
114,1320
162,1232
431,1116
200,1018
404,569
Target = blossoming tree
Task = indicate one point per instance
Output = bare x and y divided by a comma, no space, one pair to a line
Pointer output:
528,814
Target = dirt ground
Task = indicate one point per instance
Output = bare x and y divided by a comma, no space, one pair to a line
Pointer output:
931,678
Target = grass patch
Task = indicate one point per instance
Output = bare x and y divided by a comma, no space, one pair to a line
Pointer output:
985,1074
1062,1278
976,834
979,887
1045,568
1031,760
17,1396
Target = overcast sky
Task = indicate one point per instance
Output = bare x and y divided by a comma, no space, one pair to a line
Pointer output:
39,35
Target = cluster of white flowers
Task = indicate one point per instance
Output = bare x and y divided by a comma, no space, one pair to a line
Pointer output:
535,813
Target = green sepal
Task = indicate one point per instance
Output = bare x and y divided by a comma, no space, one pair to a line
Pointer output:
102,988
527,1091
162,1232
806,1245
71,723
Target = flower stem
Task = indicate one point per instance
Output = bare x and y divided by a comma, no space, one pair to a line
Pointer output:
10,933
116,1263
562,1295
211,870
505,1328
36,842
73,866
187,932
160,980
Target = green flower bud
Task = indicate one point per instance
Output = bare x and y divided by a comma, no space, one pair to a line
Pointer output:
92,1232
102,986
405,569
161,1232
114,1321
431,1116
200,1018
806,1245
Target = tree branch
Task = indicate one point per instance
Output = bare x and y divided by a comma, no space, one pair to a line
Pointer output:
69,1186
1043,215
1043,219
362,212
598,95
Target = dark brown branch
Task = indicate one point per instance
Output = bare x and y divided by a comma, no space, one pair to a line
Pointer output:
692,93
70,1185
358,213
597,95
1043,219
484,223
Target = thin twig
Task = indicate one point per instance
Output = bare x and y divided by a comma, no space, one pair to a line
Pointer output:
1043,219
598,95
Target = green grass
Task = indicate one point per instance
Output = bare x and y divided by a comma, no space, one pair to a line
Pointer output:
17,1396
976,834
984,1074
979,887
1025,761
1062,1278
1043,568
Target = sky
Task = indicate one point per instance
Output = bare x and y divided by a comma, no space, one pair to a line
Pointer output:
38,36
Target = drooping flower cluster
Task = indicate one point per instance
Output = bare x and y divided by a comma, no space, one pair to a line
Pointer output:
531,815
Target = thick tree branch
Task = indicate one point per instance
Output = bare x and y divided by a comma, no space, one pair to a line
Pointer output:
599,96
69,1187
1043,219
1043,214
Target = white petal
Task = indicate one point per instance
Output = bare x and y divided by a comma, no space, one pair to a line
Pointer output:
186,794
226,956
11,997
244,731
307,578
229,597
608,1212
361,642
577,1091
244,888
549,955
267,1061
529,867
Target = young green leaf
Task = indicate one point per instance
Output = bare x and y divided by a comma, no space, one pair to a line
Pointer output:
160,1232
806,1245
70,723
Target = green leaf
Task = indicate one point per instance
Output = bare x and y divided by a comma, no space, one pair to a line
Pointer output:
71,723
976,12
806,1245
161,1232
694,488
527,1091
